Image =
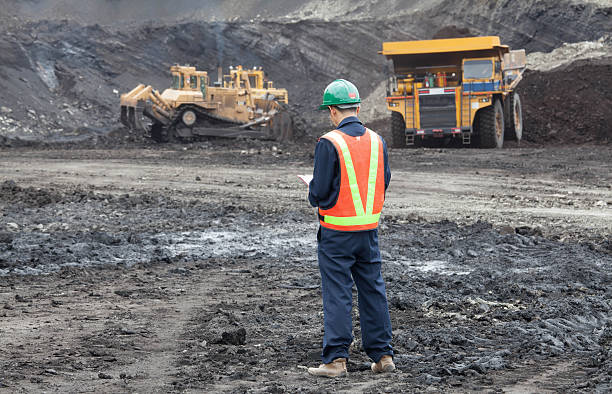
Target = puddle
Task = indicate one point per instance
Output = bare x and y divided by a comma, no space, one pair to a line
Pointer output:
433,266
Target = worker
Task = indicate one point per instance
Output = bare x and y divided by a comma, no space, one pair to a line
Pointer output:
351,175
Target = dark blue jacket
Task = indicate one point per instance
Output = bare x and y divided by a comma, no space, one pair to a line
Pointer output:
324,188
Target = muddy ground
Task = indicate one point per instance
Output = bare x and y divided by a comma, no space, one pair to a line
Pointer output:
193,269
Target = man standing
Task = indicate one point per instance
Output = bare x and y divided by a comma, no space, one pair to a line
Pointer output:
351,174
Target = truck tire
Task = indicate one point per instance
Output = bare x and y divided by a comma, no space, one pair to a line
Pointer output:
398,130
514,123
491,126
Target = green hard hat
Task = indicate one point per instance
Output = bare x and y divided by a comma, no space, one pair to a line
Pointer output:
340,93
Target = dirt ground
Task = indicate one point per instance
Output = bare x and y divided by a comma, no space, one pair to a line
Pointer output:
193,269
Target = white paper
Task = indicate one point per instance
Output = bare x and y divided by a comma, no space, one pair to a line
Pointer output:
305,178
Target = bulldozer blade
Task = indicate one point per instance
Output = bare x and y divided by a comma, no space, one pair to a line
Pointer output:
138,118
132,117
124,116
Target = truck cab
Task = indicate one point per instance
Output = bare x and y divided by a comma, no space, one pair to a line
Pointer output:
460,88
481,75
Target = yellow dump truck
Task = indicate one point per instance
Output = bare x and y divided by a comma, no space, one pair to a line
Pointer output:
459,88
241,103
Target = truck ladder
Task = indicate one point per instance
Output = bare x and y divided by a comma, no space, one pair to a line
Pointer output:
410,137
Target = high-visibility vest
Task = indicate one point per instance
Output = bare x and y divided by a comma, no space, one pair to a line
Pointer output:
362,182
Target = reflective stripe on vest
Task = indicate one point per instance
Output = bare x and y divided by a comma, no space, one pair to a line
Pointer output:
362,219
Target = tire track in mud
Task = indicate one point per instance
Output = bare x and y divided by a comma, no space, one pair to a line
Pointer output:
543,376
115,330
156,368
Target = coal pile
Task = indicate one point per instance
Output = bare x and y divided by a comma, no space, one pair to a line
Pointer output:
576,107
565,93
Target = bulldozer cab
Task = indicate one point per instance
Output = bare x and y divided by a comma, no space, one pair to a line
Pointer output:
188,79
240,78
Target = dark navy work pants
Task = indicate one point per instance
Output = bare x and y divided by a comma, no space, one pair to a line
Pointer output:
345,257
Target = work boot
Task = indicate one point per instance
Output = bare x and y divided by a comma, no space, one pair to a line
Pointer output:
332,370
385,364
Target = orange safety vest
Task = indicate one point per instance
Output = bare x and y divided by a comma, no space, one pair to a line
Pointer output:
362,182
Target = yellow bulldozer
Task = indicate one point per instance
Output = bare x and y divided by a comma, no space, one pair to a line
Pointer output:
239,104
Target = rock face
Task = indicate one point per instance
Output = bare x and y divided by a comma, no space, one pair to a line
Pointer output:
69,63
